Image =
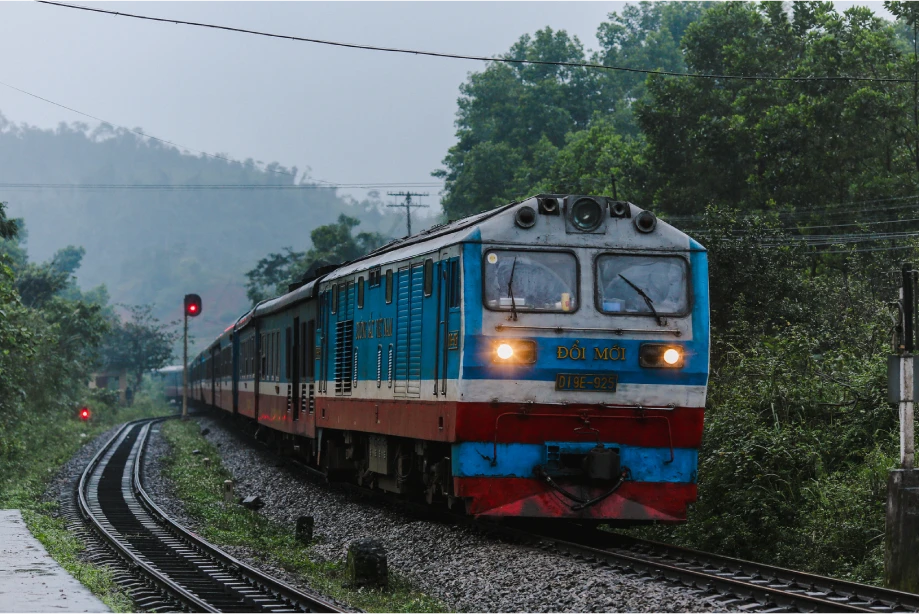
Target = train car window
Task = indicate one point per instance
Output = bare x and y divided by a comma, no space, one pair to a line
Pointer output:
263,351
388,286
375,277
622,280
334,298
277,355
304,351
530,281
274,354
360,292
288,353
311,349
269,371
453,290
428,277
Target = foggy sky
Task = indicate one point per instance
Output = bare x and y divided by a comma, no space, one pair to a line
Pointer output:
349,115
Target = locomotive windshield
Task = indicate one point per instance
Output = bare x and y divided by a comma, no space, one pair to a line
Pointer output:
626,284
531,281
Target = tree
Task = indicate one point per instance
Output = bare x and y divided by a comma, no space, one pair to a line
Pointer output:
645,36
506,111
140,344
758,144
332,244
272,272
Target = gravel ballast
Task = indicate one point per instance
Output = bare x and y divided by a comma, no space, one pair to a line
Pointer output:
61,487
467,571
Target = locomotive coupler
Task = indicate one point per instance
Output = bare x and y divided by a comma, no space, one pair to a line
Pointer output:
601,463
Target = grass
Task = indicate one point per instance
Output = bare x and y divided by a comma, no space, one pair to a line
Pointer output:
200,488
44,446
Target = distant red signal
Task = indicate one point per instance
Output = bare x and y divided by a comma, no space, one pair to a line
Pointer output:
192,305
84,413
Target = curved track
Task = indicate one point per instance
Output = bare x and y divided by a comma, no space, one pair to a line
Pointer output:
753,585
187,570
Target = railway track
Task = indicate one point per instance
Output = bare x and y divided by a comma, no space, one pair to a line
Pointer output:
745,584
184,570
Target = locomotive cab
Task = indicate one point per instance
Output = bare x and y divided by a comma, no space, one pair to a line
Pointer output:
585,375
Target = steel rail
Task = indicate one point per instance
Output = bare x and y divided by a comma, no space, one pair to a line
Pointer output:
765,584
879,599
221,580
316,603
162,581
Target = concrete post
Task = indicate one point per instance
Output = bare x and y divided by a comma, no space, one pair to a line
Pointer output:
901,558
907,407
304,531
367,564
901,554
228,491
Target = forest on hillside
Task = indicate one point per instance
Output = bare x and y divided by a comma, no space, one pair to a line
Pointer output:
154,245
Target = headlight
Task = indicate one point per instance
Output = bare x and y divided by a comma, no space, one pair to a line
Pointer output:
661,356
586,214
514,352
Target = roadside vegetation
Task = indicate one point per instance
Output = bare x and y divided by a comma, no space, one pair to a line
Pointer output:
53,336
200,489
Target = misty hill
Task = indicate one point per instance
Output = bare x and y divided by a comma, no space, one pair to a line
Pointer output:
155,245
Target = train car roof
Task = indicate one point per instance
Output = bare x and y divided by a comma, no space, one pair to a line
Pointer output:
433,238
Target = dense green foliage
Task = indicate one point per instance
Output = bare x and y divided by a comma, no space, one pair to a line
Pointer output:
332,244
798,434
139,344
51,336
200,489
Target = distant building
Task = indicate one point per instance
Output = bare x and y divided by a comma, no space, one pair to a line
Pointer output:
172,379
111,380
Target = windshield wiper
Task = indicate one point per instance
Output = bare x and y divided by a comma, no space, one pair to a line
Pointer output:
660,321
510,291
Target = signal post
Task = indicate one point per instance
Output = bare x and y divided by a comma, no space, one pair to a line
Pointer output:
192,309
901,556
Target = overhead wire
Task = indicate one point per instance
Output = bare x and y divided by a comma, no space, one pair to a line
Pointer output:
197,187
459,56
145,135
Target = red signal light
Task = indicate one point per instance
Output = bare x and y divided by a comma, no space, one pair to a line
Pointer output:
192,305
84,413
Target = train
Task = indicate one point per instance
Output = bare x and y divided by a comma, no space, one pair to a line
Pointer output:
544,359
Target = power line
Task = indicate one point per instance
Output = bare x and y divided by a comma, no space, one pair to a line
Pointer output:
143,134
456,56
201,187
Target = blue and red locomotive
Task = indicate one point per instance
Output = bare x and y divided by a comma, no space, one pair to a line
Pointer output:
548,358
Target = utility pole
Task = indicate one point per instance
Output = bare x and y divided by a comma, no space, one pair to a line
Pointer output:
407,205
185,369
192,310
901,556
